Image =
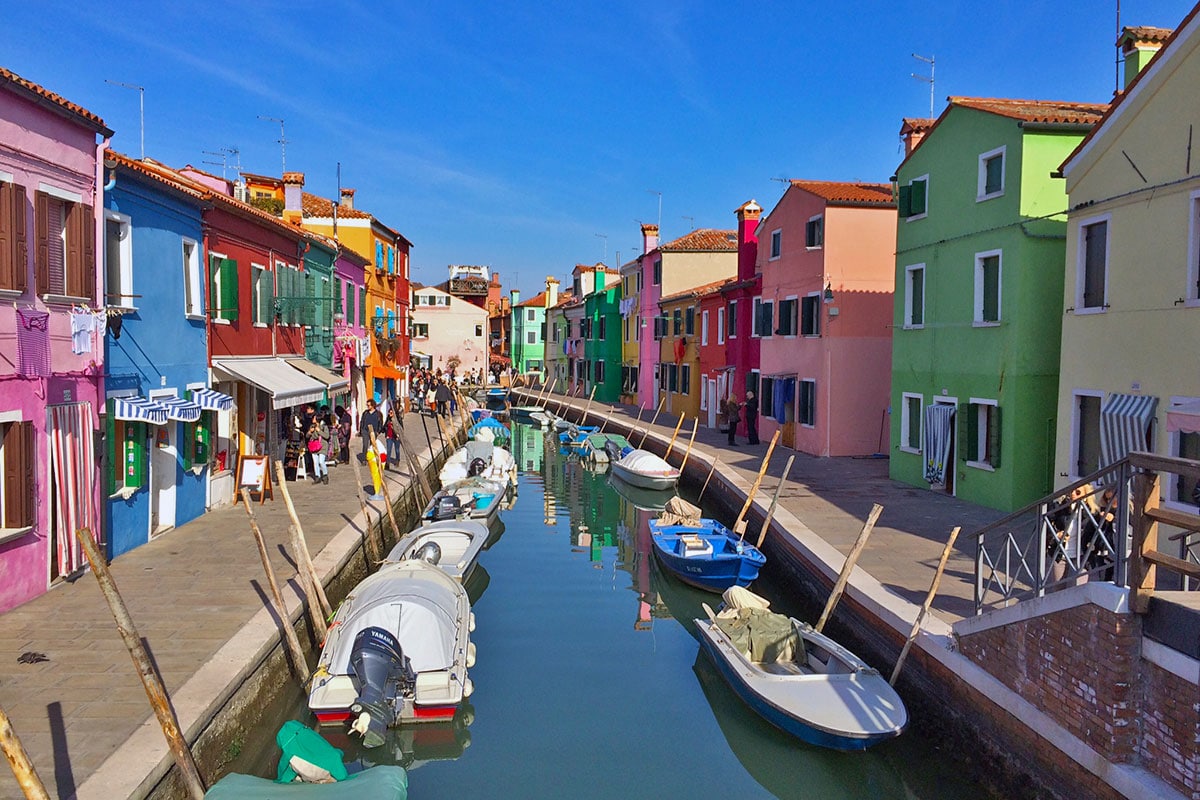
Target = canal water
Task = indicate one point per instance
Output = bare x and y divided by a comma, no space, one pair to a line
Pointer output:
590,682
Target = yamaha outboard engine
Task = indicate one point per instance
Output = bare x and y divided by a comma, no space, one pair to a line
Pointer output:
430,552
380,673
448,507
477,467
612,450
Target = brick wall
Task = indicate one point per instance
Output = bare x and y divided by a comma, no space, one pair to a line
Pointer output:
1170,728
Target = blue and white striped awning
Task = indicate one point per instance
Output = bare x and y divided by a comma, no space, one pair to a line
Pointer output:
1125,425
139,409
212,400
180,409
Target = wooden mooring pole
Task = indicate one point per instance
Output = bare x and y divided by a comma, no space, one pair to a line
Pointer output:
739,527
413,466
711,470
583,419
608,418
387,502
933,587
275,599
160,702
671,444
27,777
372,552
840,586
787,470
318,604
653,420
691,441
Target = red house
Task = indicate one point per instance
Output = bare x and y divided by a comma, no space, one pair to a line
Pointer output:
741,348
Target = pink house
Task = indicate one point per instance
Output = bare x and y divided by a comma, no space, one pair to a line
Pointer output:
51,326
822,318
648,297
741,349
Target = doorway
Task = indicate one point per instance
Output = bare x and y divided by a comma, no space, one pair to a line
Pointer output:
711,394
163,467
950,476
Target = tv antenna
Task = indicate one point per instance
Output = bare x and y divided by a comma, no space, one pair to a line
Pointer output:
652,191
691,221
782,180
926,78
282,140
141,90
224,153
603,236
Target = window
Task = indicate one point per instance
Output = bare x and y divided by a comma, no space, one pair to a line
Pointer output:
766,397
914,296
787,317
731,328
776,243
1092,271
676,321
814,232
704,327
1087,433
223,291
531,337
987,287
264,295
193,295
991,175
808,403
420,330
13,245
703,393
981,433
913,201
349,304
1193,270
673,377
764,317
689,321
479,330
657,272
18,459
1184,445
639,281
118,260
603,328
720,326
554,333
362,306
599,372
65,258
911,418
625,330
529,315
685,378
810,315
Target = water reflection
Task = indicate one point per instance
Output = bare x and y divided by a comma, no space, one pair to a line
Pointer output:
410,746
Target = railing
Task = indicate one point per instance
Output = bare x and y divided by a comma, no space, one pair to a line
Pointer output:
1101,528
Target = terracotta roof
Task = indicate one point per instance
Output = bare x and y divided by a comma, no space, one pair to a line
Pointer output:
915,124
853,193
264,179
160,173
596,267
1054,112
43,96
1144,33
315,206
537,301
703,240
698,291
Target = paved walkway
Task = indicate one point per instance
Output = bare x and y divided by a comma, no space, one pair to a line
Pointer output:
189,591
833,497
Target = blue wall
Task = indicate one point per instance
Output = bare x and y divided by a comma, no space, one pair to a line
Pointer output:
157,341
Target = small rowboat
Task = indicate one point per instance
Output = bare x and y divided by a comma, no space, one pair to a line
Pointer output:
706,555
458,542
799,680
645,470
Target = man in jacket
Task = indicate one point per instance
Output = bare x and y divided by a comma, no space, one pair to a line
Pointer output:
752,418
371,418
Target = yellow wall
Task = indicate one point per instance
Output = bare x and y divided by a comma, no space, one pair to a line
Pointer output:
683,271
677,402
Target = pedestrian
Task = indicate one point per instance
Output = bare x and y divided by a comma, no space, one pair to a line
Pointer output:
443,397
304,423
732,408
392,442
344,424
371,420
318,443
751,418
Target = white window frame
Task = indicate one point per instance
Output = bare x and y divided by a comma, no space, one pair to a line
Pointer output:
703,328
816,397
797,313
530,315
905,419
125,291
1074,452
1169,498
256,273
1081,261
811,219
776,244
1191,293
733,304
981,431
980,257
704,393
216,286
721,325
756,317
909,325
530,337
981,193
193,279
924,213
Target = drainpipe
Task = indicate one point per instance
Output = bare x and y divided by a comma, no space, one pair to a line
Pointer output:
97,499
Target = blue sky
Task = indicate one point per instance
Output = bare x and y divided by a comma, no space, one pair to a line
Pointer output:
534,136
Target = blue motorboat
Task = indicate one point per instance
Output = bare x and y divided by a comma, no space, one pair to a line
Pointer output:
576,435
706,554
498,432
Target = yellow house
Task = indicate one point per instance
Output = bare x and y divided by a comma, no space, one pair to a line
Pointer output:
1128,377
631,328
679,357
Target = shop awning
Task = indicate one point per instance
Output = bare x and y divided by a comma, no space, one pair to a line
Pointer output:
1184,418
1124,424
139,409
212,400
337,383
180,409
288,387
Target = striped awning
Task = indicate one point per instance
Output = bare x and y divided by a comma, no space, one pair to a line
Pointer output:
935,440
180,409
1124,425
337,384
1184,417
212,400
287,387
139,409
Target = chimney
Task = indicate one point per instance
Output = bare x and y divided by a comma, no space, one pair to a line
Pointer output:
515,294
747,238
551,292
598,277
649,238
293,192
347,199
912,131
1138,45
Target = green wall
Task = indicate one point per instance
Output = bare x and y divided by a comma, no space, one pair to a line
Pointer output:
523,352
606,305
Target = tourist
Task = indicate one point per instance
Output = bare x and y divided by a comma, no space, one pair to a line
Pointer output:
443,396
318,444
392,442
751,418
732,410
371,420
344,424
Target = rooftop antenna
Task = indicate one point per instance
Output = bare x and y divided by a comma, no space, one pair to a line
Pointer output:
926,78
651,191
141,90
782,180
337,200
691,221
603,236
282,140
221,154
1117,66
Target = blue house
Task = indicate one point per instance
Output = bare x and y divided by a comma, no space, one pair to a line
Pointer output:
159,415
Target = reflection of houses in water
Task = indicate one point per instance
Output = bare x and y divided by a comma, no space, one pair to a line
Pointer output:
634,555
528,447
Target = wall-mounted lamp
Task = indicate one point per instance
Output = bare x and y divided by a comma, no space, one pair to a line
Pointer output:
828,292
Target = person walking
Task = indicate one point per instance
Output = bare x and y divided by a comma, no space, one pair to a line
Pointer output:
442,395
393,442
752,418
373,420
318,444
732,408
344,424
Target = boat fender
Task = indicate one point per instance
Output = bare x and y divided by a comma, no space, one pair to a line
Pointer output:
470,655
468,687
471,623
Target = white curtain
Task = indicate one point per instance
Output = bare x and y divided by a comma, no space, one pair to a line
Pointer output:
935,442
73,467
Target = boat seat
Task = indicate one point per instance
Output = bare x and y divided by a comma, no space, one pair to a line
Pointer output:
693,546
782,668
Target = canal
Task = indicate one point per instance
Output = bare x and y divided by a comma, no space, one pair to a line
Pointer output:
590,682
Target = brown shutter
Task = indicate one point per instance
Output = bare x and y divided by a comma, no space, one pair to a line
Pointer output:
18,475
87,240
41,223
73,280
20,246
7,256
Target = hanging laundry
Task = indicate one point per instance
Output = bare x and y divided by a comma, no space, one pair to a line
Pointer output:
115,321
83,325
33,343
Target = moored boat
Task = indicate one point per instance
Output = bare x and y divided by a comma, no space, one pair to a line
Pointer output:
799,680
479,459
703,552
472,498
457,542
645,470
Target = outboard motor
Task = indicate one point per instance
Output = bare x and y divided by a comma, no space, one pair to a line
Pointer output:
380,673
477,467
448,507
612,450
430,552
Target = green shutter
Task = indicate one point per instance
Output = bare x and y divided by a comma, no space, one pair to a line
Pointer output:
133,454
916,204
905,202
994,437
229,290
188,451
112,451
991,289
362,307
968,433
337,296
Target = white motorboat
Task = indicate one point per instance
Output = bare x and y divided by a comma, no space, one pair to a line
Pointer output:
473,498
645,470
543,418
479,459
398,651
457,542
799,680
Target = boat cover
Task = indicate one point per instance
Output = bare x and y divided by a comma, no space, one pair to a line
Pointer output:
377,783
646,463
495,425
307,750
680,512
761,636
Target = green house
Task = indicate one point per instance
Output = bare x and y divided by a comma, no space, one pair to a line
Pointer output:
980,248
602,339
529,334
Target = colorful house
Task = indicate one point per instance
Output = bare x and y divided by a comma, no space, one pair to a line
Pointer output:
977,318
1131,292
52,363
557,337
823,317
447,332
679,375
649,293
528,330
602,345
741,348
160,415
712,359
631,328
351,339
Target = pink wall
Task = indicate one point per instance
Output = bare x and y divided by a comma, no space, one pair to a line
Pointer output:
648,347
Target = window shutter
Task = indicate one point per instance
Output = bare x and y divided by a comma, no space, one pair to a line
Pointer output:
968,433
391,261
214,301
379,255
18,475
229,291
188,451
112,450
41,222
337,296
133,453
917,200
904,202
86,227
7,249
20,246
994,437
201,434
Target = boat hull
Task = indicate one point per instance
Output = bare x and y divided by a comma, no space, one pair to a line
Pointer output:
658,483
715,571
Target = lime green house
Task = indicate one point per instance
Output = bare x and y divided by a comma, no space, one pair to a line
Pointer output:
980,247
